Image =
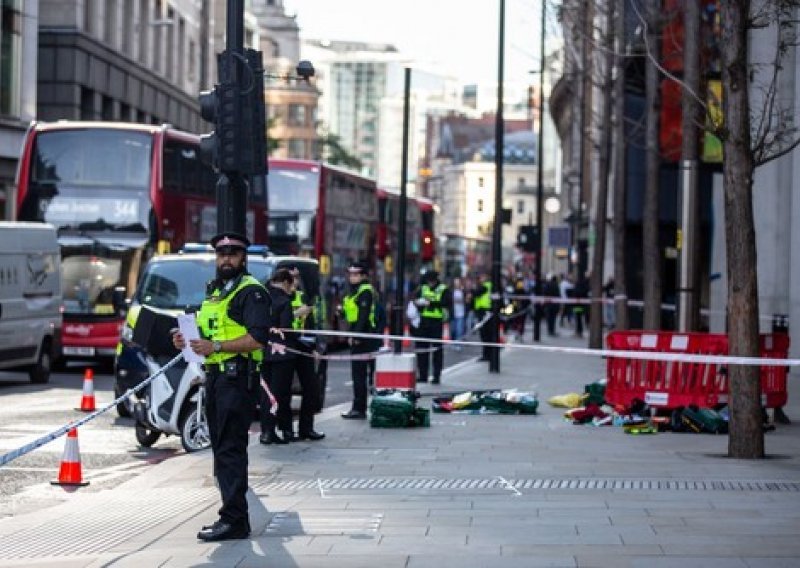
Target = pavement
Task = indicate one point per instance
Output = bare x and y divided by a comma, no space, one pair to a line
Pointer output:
470,491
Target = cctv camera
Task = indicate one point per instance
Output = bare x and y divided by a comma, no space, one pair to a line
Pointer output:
305,70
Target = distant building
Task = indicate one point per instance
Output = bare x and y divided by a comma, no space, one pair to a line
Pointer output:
135,61
18,38
291,105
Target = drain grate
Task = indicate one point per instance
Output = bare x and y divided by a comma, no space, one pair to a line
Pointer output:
289,523
496,483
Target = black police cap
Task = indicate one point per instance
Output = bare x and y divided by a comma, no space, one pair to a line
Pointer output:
230,239
358,267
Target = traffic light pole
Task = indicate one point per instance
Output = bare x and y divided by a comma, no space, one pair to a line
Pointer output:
232,186
497,229
400,265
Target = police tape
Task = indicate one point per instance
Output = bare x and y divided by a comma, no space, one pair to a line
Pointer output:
55,434
605,353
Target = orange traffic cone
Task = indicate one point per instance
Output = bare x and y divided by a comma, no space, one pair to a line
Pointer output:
69,473
407,335
87,400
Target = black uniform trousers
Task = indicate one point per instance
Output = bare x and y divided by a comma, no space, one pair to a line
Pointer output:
279,376
230,406
361,369
431,328
304,366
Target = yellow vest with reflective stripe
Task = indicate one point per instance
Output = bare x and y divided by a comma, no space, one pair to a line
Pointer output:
215,324
350,305
433,295
484,301
297,301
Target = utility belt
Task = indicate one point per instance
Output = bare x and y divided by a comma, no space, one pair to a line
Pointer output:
235,368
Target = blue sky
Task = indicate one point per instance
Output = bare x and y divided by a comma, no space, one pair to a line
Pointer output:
458,36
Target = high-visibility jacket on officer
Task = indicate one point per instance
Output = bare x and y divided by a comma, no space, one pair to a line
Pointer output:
358,309
435,304
234,325
482,305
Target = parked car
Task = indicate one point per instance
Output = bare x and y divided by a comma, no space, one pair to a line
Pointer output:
176,283
30,298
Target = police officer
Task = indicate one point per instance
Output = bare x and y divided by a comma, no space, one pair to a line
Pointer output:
303,318
359,312
279,367
434,302
482,305
234,328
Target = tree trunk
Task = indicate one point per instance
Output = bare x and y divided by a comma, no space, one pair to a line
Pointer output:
620,196
651,252
601,206
689,283
746,438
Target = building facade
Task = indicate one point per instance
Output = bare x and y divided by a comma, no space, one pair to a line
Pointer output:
125,60
18,61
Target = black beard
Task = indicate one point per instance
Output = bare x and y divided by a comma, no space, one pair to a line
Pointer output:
228,272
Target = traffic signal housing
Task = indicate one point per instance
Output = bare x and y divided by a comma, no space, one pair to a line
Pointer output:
236,108
528,238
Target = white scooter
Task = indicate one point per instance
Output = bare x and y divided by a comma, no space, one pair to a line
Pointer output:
173,404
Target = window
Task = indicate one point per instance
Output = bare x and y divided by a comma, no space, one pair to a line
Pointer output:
143,30
297,115
521,206
296,148
480,182
480,205
10,57
127,29
192,62
109,21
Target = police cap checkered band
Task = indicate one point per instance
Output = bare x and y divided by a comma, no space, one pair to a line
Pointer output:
230,240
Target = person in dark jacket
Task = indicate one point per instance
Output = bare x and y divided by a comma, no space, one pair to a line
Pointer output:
278,367
304,365
434,302
482,306
359,312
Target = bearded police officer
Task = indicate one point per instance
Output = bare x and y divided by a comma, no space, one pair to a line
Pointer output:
234,327
434,302
359,311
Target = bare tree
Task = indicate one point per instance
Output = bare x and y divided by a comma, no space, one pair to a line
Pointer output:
651,253
745,146
601,204
620,195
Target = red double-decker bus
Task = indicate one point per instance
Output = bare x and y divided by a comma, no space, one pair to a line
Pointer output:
118,193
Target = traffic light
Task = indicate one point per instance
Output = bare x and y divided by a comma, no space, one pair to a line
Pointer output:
528,238
236,108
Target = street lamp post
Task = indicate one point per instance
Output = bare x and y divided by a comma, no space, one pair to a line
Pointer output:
497,251
537,274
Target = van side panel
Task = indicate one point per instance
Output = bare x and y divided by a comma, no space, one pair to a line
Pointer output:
30,292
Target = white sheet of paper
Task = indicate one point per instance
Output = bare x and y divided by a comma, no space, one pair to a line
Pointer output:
188,326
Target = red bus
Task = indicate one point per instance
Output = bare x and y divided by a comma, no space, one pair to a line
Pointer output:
117,193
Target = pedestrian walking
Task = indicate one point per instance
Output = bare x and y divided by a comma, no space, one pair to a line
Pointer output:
304,365
234,329
435,302
279,367
551,308
459,314
359,312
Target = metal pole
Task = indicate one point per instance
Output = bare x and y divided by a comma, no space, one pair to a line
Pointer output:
232,187
400,265
497,249
537,275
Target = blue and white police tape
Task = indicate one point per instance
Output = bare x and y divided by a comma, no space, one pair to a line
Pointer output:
638,355
47,438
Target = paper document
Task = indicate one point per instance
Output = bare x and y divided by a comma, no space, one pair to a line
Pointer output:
188,326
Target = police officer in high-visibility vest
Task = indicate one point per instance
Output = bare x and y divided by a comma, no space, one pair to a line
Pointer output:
303,318
434,303
234,328
482,305
359,312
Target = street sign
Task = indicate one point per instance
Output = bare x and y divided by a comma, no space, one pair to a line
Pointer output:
559,236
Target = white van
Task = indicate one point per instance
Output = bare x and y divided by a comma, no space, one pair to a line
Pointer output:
30,298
